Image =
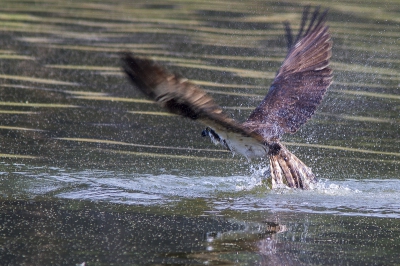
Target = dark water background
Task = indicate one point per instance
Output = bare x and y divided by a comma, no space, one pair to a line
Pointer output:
92,172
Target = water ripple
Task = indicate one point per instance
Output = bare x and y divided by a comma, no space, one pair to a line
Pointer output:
368,197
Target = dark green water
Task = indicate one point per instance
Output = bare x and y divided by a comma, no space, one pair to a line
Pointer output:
92,172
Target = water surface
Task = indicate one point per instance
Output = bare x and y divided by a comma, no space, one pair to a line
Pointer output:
90,171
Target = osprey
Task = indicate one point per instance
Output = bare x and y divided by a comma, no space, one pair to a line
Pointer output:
295,93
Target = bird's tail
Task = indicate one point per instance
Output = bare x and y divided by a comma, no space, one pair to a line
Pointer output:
287,169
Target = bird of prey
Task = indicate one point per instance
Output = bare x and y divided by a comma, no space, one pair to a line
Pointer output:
292,99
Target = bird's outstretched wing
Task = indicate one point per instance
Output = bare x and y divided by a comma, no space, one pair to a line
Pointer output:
181,97
300,83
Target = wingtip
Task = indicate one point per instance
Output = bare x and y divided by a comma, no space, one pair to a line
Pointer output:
289,35
316,22
142,72
125,56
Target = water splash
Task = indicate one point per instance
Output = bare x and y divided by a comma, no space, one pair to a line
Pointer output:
373,197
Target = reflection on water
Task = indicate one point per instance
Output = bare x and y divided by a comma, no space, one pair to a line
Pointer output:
91,171
63,232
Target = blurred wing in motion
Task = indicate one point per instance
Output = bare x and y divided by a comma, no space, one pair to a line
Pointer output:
300,83
181,97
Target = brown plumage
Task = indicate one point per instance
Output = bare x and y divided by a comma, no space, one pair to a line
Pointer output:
292,99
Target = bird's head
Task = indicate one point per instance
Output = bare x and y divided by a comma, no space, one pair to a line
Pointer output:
212,134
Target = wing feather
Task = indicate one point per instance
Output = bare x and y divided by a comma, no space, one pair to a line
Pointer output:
181,97
300,83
